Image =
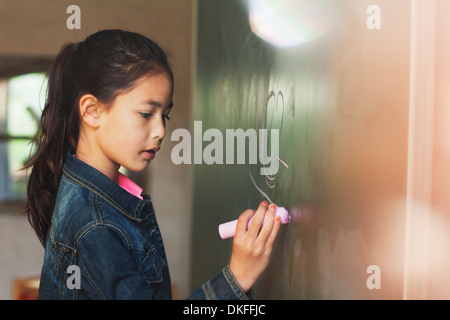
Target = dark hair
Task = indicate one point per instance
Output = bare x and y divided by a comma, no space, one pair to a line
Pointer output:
105,64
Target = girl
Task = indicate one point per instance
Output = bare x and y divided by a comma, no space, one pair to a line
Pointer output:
108,101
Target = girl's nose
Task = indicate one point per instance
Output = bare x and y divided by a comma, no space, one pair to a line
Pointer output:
158,129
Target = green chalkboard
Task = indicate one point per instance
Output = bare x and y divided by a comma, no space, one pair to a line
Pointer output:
338,96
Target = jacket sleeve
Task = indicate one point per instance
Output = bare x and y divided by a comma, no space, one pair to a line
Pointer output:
222,287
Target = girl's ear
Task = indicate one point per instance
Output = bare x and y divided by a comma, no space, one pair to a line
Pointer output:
89,110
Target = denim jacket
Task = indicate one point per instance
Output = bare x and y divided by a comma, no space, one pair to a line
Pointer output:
105,243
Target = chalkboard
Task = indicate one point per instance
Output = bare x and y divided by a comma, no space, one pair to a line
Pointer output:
338,96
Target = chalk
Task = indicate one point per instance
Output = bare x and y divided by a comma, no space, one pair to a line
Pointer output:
227,230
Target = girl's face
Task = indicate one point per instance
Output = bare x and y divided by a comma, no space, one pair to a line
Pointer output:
132,129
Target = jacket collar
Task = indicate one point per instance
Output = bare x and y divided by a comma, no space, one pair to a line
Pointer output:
127,204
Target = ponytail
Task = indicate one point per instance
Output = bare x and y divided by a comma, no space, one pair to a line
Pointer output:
104,64
57,133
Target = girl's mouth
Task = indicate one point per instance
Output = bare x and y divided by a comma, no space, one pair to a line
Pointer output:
151,153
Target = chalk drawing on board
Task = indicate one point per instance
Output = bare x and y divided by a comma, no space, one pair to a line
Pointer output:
277,101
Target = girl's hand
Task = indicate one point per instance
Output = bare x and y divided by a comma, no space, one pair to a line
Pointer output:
252,247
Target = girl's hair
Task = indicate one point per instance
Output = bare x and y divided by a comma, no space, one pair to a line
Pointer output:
105,64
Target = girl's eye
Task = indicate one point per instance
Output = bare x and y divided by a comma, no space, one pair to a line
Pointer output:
145,115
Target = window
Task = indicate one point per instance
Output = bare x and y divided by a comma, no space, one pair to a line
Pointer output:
22,99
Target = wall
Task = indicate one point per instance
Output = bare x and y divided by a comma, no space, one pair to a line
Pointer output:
20,254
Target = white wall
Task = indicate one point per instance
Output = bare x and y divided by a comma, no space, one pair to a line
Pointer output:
21,255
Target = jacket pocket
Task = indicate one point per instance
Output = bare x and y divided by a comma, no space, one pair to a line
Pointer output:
152,266
64,257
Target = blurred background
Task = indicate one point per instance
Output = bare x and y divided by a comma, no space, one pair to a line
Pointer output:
357,89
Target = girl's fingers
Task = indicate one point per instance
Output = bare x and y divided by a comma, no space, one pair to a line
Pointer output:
257,220
241,226
268,225
274,232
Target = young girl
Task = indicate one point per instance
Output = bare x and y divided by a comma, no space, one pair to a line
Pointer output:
108,101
